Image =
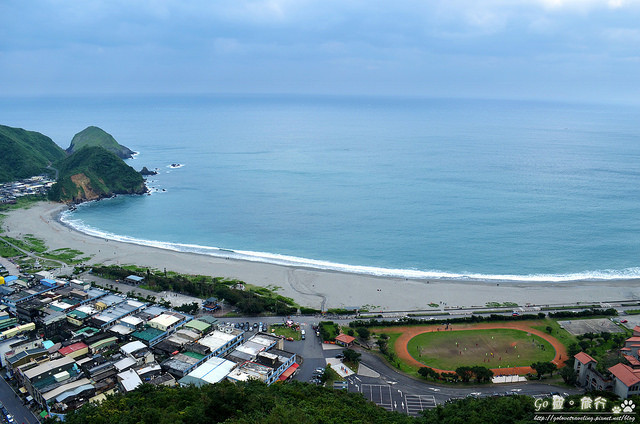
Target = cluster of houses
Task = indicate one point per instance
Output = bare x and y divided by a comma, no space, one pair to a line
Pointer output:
625,377
66,343
39,185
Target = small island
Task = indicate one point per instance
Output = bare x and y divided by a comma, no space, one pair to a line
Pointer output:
94,136
146,172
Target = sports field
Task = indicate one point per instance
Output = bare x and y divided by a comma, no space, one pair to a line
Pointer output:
491,348
440,352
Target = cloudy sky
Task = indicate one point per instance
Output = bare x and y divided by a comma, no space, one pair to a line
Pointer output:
542,49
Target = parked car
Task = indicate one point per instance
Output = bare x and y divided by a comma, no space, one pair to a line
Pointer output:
340,355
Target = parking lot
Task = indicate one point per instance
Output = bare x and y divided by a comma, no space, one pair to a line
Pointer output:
394,400
378,394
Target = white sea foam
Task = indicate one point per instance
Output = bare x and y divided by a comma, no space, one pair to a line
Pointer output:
277,259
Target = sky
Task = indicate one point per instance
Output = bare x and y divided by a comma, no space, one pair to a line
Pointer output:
575,50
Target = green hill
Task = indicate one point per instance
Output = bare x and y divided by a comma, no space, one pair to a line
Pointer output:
25,153
94,173
94,136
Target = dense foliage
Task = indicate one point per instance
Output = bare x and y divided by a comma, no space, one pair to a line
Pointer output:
498,410
94,136
584,313
251,402
247,302
25,153
254,402
418,321
98,173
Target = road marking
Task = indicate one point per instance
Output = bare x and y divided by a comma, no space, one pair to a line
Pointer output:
418,403
378,394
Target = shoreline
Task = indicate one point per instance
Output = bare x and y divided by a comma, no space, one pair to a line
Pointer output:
316,287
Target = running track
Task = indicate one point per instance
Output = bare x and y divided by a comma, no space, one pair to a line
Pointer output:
410,332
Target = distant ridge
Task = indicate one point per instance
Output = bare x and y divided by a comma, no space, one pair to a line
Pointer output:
25,153
94,136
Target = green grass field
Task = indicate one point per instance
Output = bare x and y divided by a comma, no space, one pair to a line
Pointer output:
448,350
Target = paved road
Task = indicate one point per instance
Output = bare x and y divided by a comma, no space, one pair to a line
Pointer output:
404,393
14,405
10,266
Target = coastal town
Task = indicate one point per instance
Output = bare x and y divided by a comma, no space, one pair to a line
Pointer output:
38,186
68,341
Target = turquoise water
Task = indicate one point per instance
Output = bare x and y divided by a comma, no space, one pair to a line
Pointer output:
432,187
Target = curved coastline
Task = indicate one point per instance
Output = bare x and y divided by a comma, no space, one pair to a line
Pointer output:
310,285
64,217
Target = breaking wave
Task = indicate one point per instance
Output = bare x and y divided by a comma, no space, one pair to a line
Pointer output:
273,258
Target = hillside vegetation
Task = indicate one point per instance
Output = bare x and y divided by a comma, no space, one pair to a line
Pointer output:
250,402
25,153
93,173
300,403
94,136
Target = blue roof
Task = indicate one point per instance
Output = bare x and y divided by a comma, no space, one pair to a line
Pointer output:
135,278
10,278
48,282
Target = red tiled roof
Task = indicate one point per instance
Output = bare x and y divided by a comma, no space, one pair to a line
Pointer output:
626,348
72,348
584,358
625,374
633,339
636,329
345,338
632,360
635,345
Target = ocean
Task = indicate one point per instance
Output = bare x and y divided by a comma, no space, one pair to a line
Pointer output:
433,188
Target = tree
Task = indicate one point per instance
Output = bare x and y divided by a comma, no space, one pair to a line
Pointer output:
465,373
542,368
584,344
364,333
482,374
427,372
351,356
449,376
573,349
568,375
549,329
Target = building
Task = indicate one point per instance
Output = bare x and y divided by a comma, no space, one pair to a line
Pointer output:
75,350
345,340
625,379
211,304
165,322
212,371
128,380
134,279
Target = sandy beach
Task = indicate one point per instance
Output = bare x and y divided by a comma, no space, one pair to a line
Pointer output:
312,287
